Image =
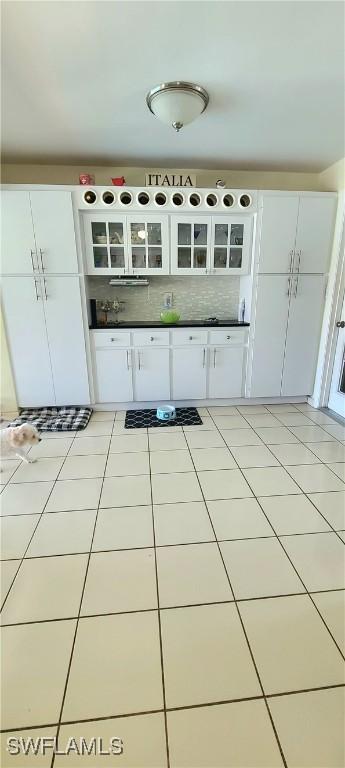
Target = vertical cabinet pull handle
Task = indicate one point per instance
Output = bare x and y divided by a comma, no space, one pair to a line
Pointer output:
139,361
127,357
299,260
214,357
288,286
296,285
291,254
32,259
204,358
42,262
37,295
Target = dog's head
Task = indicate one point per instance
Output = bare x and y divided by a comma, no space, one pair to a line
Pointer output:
26,434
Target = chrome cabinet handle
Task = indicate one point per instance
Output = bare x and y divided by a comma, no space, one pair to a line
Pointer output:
214,357
32,259
291,254
45,289
296,284
288,286
152,338
37,295
204,358
190,338
41,256
228,337
127,358
299,260
139,361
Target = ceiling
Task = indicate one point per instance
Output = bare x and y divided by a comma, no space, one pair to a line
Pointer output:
75,76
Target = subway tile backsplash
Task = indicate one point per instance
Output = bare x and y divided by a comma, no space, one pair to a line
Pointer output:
193,297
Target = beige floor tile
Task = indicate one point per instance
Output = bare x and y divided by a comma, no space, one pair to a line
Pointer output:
46,588
24,498
338,469
182,523
63,533
231,422
292,647
259,568
116,667
8,570
120,415
276,435
76,467
316,478
328,452
223,410
103,416
171,461
238,519
310,434
294,453
342,535
57,446
305,407
83,446
337,431
60,435
234,437
253,409
120,429
129,443
190,574
205,439
263,420
212,458
206,657
8,467
321,418
39,471
227,744
224,484
270,481
203,412
15,534
332,506
319,559
120,581
74,494
30,760
120,464
35,662
332,608
126,491
254,456
207,424
143,740
123,528
178,486
282,408
311,728
164,430
98,428
295,419
167,441
292,514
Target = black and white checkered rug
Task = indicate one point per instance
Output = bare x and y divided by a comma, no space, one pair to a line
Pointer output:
66,418
147,418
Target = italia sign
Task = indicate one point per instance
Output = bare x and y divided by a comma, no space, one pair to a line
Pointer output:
164,179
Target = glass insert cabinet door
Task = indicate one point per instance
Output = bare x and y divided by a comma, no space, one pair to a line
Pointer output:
106,244
148,245
230,245
190,245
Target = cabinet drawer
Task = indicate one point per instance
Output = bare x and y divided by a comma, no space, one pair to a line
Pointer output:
228,336
111,339
151,338
189,336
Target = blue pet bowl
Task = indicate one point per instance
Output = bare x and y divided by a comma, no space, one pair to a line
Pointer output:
166,413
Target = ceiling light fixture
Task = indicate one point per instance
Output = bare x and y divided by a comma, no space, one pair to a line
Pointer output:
177,103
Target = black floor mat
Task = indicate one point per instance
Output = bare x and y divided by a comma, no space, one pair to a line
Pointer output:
147,418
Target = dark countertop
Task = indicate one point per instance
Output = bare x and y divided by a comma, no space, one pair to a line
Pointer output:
180,324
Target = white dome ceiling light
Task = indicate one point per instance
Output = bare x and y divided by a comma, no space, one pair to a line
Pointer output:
177,103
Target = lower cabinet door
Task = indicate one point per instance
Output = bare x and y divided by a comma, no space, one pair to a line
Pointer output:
270,327
113,376
303,334
23,308
225,371
189,373
151,374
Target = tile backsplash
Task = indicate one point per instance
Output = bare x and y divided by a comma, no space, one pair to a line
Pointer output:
193,297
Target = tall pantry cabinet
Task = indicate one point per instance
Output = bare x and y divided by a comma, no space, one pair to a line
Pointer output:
295,241
41,299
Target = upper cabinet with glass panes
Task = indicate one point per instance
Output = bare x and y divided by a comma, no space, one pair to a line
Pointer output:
210,245
126,245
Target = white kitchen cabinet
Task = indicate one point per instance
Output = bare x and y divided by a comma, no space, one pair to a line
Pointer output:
23,309
151,373
66,339
314,236
126,245
303,334
38,233
225,372
113,375
190,245
231,241
45,334
189,366
272,307
296,233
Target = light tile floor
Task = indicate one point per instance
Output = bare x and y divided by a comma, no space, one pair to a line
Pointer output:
182,590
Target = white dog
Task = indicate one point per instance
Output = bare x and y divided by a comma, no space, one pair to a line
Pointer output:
13,441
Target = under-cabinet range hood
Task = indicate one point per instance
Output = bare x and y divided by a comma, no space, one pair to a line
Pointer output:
129,281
